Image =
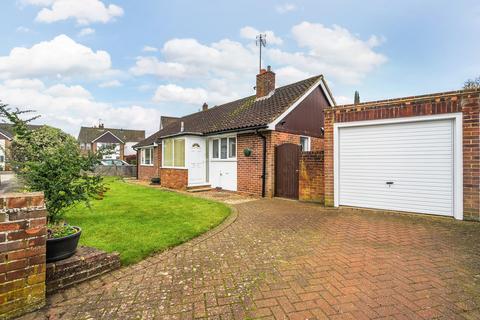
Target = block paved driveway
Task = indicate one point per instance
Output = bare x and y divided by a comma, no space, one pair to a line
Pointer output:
280,259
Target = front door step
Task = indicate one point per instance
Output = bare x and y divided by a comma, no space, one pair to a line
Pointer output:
199,188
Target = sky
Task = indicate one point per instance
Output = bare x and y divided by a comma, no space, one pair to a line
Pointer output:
126,63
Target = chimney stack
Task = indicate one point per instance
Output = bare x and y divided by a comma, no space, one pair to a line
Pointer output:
205,107
265,82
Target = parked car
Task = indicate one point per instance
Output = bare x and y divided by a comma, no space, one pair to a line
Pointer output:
114,162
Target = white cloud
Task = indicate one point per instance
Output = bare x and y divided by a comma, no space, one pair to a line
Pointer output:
334,52
341,100
86,31
69,107
251,33
149,49
61,90
286,7
23,29
110,84
60,56
83,11
174,93
152,66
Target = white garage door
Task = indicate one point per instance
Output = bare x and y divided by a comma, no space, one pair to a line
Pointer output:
401,166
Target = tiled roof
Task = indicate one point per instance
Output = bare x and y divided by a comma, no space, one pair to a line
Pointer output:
241,114
7,129
88,134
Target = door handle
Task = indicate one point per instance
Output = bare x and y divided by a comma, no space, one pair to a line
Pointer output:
389,183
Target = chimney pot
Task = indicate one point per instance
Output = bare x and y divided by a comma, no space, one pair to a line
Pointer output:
205,107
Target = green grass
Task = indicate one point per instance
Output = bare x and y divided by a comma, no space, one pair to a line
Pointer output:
137,221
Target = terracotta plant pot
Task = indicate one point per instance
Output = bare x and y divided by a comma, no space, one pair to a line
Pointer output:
64,247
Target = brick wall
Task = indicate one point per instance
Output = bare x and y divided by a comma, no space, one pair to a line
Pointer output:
249,169
174,178
148,172
467,102
311,182
22,253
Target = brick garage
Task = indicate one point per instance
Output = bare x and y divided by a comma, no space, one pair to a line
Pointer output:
464,103
22,253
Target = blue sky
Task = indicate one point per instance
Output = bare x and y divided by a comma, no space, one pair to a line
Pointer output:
128,62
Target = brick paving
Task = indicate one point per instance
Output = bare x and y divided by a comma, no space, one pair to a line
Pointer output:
279,259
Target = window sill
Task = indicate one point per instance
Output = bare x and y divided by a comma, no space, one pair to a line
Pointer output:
224,160
168,167
146,165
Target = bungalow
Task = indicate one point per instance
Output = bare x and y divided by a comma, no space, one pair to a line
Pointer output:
232,146
121,140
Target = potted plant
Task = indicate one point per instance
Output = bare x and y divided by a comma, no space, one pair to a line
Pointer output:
49,160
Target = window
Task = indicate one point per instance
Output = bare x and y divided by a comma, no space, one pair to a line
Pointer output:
147,156
232,147
224,148
215,149
174,153
2,158
305,143
179,153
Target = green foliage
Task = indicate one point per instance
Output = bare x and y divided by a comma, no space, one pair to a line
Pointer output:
356,98
137,221
472,84
49,160
60,230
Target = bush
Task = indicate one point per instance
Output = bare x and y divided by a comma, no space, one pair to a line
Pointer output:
49,160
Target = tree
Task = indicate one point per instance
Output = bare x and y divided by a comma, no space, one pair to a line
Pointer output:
472,84
356,98
49,160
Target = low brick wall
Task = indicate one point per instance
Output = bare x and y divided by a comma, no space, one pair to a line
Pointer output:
22,253
311,182
174,178
85,264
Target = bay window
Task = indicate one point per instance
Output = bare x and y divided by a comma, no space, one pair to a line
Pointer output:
174,153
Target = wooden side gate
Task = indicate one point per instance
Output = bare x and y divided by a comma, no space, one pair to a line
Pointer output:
287,157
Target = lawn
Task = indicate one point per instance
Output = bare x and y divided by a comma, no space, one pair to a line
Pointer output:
137,221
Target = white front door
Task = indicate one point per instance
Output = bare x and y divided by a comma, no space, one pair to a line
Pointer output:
196,161
398,166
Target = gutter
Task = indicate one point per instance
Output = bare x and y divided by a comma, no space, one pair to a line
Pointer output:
264,160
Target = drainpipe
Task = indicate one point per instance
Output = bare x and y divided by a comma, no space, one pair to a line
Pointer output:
264,161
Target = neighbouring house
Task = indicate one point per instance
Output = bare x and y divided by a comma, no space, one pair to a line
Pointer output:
6,137
232,146
120,141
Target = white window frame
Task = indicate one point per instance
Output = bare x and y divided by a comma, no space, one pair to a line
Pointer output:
142,157
173,153
219,158
309,143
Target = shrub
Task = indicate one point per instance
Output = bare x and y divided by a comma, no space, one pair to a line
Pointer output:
49,160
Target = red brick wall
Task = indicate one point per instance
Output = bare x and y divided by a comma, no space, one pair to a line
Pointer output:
311,182
148,172
467,102
22,253
249,169
174,178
